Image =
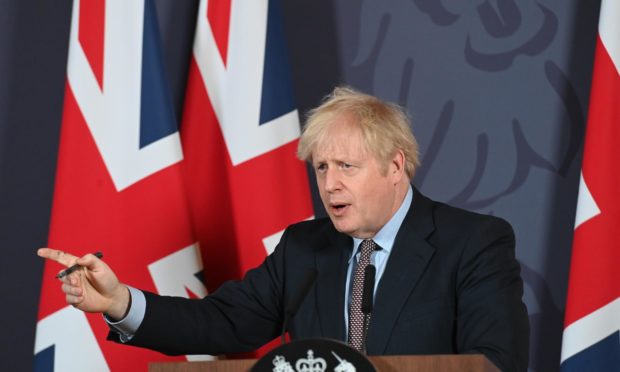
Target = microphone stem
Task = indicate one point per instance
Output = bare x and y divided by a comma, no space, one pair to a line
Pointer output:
365,332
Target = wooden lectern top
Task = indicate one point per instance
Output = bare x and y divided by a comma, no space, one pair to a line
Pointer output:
385,363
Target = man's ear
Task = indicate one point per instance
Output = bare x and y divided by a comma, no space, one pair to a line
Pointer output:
397,166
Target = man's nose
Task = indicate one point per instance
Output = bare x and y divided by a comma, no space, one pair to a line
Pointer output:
332,180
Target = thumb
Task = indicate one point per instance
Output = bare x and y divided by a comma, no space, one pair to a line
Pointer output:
91,261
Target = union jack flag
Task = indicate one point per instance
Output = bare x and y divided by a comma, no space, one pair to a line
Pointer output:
240,131
119,185
591,340
124,185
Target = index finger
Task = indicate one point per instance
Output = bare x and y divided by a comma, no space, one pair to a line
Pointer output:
61,257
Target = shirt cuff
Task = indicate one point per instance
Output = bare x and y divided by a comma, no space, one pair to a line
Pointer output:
128,326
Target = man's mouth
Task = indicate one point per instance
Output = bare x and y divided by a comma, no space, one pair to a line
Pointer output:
338,209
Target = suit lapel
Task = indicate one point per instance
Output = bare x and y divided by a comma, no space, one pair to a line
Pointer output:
410,255
331,263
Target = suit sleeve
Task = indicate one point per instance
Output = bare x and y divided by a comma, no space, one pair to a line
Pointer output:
240,316
491,317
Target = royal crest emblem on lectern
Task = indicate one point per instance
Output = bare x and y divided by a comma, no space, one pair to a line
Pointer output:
310,364
280,364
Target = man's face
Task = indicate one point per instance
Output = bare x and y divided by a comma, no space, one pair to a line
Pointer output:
358,192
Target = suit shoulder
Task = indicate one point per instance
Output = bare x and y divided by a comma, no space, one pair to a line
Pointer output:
447,217
310,227
308,235
311,230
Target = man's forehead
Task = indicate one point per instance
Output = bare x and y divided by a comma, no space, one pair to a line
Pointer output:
340,143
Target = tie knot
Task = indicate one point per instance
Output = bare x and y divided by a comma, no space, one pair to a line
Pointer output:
366,248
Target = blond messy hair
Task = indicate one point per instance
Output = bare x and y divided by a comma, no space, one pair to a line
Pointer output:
384,126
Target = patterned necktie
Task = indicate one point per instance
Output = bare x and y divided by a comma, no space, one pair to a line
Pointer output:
357,323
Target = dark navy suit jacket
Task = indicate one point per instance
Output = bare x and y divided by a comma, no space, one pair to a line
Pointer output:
451,285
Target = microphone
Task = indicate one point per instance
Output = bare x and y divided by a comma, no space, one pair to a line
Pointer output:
298,296
368,289
367,298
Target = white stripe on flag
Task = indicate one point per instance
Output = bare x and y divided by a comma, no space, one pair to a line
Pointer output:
113,114
591,329
586,205
609,30
239,82
65,329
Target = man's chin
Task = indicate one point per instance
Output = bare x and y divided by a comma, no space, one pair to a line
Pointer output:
347,229
342,227
354,232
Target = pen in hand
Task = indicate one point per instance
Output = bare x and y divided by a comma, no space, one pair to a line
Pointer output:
71,269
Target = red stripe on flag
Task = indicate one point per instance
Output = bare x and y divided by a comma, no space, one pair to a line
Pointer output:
91,35
602,154
594,275
218,15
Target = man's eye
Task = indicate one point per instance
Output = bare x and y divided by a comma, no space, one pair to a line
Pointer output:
347,166
321,167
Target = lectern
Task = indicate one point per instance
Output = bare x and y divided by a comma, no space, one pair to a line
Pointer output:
400,363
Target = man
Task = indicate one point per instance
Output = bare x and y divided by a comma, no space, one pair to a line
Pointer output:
447,279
